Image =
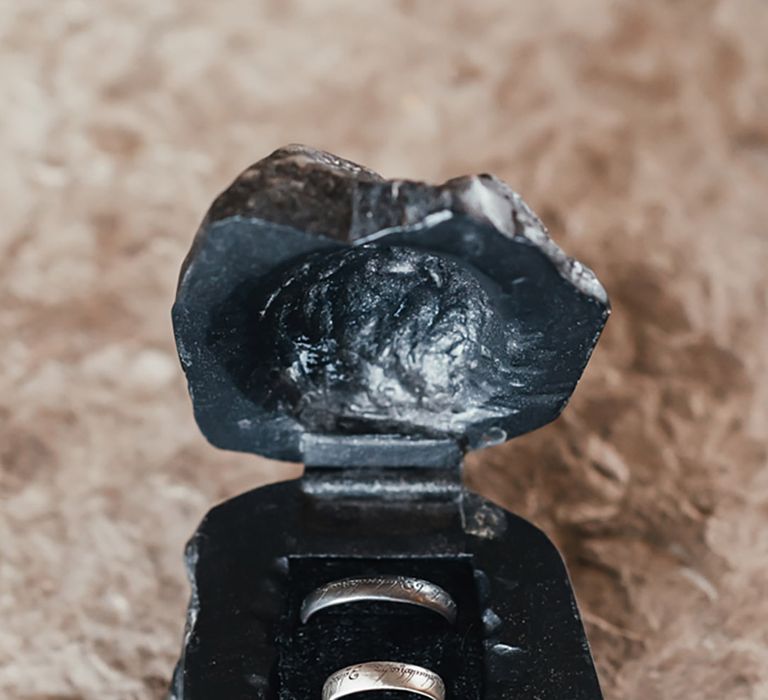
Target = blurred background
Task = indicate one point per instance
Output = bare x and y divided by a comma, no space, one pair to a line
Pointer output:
638,131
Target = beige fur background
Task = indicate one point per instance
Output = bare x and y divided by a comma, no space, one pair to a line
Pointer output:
638,131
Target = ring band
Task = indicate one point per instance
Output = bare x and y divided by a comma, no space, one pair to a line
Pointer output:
395,589
383,675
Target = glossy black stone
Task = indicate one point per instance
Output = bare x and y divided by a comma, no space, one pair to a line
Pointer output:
320,298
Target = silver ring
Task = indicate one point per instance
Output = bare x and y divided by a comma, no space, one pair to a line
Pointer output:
395,589
383,675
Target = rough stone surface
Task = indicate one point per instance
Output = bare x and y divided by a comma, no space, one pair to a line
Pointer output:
637,131
407,330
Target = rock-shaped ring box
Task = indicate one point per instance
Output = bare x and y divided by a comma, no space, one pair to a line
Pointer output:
376,330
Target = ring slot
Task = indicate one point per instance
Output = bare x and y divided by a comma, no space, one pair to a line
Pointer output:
383,675
394,589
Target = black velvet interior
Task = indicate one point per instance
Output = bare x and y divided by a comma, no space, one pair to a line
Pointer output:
354,633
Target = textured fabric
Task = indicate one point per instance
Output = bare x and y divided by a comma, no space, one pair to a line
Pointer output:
639,132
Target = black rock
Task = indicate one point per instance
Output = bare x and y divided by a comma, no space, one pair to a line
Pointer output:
321,299
375,330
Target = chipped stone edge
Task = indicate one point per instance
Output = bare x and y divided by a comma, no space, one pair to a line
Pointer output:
482,197
191,559
491,199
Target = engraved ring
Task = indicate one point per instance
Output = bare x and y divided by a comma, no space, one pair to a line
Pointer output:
396,589
383,675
